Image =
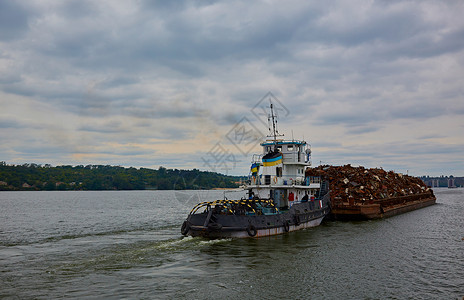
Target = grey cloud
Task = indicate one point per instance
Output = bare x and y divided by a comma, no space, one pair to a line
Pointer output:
175,134
430,136
20,122
127,151
328,144
120,132
9,79
416,110
10,123
370,23
178,37
363,129
76,9
403,149
400,156
46,92
425,45
118,81
13,20
106,127
164,67
39,150
155,109
185,34
428,148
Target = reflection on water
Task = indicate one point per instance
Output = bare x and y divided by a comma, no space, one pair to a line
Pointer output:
128,245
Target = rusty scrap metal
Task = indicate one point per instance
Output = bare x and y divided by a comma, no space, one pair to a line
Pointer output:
358,185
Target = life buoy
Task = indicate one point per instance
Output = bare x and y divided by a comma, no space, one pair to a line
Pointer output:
251,230
275,179
287,226
185,228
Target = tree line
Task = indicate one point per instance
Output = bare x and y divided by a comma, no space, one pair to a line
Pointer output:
33,176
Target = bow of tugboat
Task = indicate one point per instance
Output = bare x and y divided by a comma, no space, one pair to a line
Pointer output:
252,218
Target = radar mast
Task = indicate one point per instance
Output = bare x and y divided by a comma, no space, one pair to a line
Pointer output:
272,117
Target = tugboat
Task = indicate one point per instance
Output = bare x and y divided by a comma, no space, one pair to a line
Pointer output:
279,199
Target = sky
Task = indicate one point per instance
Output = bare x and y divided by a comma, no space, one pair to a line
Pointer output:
183,84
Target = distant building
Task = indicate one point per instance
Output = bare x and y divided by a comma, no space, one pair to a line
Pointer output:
432,183
451,183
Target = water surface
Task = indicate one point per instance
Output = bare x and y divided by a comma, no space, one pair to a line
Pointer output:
115,244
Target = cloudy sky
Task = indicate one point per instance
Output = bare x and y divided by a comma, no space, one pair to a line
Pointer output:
174,83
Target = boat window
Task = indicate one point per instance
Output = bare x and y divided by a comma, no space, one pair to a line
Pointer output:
279,171
279,148
290,147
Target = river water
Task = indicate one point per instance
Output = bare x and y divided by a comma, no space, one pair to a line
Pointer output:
116,244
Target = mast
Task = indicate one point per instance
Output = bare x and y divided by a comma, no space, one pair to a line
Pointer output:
274,127
274,133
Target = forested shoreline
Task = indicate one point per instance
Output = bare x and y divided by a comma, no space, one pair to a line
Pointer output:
33,176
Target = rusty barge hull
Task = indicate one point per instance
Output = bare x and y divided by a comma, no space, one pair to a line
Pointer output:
381,208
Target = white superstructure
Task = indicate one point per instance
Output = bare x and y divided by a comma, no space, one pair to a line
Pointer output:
279,172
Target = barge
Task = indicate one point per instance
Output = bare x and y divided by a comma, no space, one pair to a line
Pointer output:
358,193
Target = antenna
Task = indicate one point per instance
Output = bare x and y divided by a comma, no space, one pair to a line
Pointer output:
274,132
274,126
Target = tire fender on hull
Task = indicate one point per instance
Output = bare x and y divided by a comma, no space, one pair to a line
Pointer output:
251,230
185,228
297,220
286,226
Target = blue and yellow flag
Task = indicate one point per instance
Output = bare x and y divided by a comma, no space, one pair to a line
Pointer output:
254,168
269,162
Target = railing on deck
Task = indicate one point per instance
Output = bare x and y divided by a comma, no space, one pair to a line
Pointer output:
285,180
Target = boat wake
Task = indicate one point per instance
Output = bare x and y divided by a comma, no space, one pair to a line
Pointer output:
170,229
189,242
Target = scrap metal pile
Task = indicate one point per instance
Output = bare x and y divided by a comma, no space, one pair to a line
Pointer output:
358,185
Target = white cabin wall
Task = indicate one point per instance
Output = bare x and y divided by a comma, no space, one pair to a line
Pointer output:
271,170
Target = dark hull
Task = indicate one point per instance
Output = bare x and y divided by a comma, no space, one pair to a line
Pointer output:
299,216
381,208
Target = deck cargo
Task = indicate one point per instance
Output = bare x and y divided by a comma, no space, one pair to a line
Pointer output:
360,193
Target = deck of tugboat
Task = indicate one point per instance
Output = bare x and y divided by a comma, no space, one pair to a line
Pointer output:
255,221
249,207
